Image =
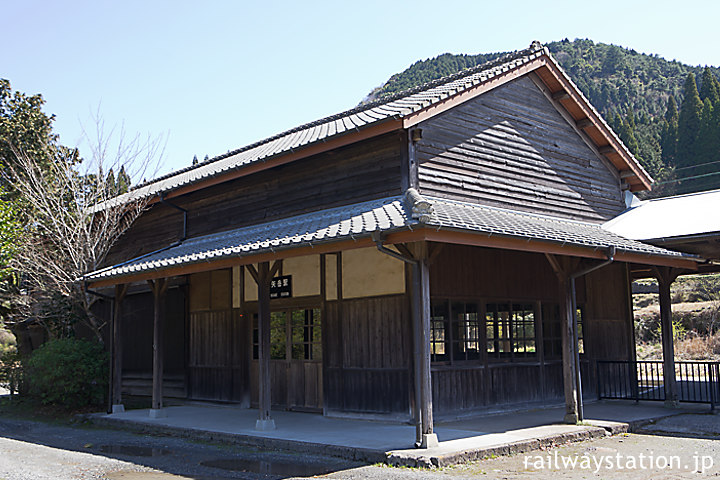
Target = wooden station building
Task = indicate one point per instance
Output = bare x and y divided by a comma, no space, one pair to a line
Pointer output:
438,252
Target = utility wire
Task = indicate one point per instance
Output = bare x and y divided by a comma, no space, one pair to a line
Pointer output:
698,165
687,178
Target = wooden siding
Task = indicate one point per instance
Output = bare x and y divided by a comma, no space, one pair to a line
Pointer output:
219,355
137,332
368,355
462,271
608,312
356,173
511,148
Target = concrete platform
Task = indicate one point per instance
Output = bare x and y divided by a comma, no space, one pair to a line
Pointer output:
371,441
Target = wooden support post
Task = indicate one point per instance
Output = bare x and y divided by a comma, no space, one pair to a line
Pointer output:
568,351
421,309
116,348
562,269
576,351
159,288
665,277
264,422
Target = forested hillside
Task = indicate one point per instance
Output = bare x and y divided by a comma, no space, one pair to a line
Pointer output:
666,112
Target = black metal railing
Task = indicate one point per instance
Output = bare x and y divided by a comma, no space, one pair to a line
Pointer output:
697,382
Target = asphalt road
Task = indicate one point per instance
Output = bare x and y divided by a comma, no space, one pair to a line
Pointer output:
680,447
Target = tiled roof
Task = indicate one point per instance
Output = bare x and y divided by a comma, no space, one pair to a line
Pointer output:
384,215
396,106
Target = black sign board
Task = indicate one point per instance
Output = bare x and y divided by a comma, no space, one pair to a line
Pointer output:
281,287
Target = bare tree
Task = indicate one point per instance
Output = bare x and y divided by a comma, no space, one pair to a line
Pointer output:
74,213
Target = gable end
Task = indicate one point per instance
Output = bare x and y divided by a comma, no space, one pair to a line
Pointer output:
511,148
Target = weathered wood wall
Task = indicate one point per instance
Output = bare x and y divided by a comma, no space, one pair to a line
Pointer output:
219,341
218,356
368,354
367,170
137,335
511,148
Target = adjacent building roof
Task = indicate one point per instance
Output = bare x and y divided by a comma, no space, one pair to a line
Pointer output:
687,223
669,217
427,99
387,215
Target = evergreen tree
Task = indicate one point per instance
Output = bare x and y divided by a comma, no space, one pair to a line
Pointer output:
689,124
110,184
668,133
708,150
123,181
709,87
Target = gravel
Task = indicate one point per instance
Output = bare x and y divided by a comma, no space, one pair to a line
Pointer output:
36,450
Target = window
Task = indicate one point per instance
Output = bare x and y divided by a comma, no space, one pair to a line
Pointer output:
552,331
510,329
294,335
466,339
306,335
438,327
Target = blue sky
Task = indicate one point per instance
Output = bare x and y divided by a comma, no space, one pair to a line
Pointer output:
213,76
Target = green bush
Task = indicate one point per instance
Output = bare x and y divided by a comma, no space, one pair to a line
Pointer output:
68,372
11,370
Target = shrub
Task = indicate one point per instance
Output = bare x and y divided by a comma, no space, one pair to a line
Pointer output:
11,370
7,341
68,372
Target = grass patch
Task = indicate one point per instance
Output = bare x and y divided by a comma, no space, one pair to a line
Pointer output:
23,408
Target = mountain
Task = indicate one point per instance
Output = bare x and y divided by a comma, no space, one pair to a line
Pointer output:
633,91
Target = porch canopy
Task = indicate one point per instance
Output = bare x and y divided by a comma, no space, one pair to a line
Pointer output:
400,219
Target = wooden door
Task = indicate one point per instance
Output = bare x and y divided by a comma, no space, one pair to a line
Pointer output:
296,359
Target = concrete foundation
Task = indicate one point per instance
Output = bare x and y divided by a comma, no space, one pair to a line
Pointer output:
265,425
119,408
472,438
158,413
429,440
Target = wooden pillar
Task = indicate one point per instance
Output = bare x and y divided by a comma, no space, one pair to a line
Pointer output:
159,288
421,310
563,266
568,350
116,347
262,276
665,277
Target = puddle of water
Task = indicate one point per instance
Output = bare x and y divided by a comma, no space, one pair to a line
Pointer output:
268,467
134,451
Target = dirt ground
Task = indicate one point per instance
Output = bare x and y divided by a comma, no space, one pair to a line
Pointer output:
684,446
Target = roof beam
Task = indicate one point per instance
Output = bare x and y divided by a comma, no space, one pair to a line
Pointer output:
560,95
584,123
555,72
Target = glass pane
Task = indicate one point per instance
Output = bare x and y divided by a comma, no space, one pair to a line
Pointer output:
298,351
278,335
316,333
438,329
298,318
504,333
